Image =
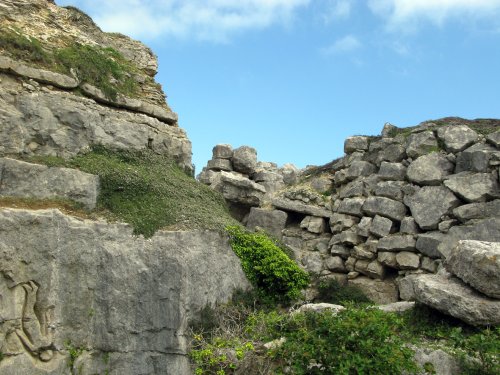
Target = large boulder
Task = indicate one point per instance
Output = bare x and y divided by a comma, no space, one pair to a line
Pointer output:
429,204
478,264
451,296
473,187
69,283
26,180
245,160
457,138
476,158
430,169
238,189
421,143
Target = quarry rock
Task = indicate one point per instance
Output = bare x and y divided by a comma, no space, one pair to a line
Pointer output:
428,243
475,158
358,143
222,151
390,189
477,263
494,138
477,210
406,260
397,243
237,188
351,206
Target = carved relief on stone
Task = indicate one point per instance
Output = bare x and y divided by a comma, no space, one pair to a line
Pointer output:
23,326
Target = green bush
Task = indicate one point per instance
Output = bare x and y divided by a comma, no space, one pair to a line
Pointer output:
355,341
331,291
266,265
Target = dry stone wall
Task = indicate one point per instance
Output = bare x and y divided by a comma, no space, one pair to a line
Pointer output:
393,206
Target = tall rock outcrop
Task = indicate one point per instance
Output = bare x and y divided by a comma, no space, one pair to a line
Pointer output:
79,295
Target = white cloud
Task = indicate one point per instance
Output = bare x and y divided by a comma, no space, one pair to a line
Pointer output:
405,13
335,9
201,19
346,44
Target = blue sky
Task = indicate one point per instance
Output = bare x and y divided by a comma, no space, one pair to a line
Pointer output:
294,78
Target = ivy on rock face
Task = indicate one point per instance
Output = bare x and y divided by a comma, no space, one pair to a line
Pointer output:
266,264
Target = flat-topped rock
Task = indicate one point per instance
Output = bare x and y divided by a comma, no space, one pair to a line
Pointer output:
237,188
451,296
297,206
385,207
473,187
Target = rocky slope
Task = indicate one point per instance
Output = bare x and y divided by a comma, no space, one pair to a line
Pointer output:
388,215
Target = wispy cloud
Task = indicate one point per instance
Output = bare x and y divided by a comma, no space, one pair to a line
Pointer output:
408,13
215,20
346,44
336,9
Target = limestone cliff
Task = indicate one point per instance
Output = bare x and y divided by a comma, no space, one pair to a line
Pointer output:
65,85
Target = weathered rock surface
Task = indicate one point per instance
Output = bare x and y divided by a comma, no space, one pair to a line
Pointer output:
429,204
245,159
473,187
430,169
238,189
421,143
479,230
397,243
95,285
357,143
478,264
451,296
442,362
475,158
478,210
457,138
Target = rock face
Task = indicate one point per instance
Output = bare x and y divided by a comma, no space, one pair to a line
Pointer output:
74,283
478,264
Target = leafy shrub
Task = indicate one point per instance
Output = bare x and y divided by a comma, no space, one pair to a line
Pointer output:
356,341
479,353
105,68
331,291
266,265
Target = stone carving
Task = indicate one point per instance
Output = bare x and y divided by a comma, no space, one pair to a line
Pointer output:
34,332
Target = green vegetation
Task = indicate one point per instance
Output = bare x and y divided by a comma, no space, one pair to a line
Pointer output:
266,265
74,352
104,68
148,191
